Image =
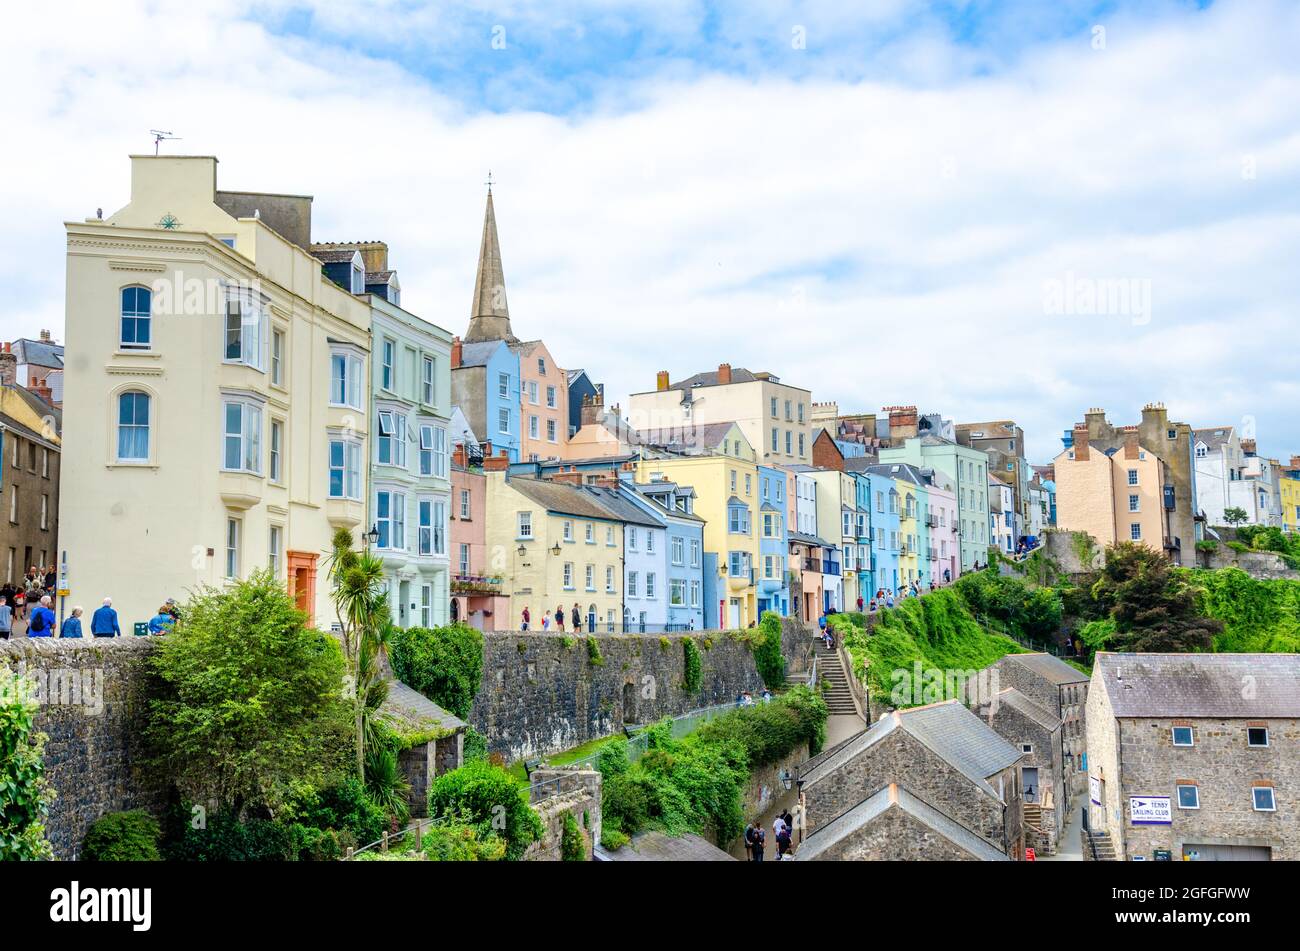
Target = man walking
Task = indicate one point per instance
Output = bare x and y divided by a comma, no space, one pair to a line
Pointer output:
6,618
103,623
42,622
523,623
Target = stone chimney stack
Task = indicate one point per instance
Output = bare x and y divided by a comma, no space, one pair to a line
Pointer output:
8,366
724,374
1248,446
1081,442
1130,442
902,423
593,408
45,336
497,463
457,352
1295,462
661,381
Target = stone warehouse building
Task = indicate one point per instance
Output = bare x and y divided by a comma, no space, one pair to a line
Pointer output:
1062,690
1196,756
1036,732
940,754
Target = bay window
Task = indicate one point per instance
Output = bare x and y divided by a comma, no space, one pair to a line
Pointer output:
246,331
242,436
345,469
390,519
345,379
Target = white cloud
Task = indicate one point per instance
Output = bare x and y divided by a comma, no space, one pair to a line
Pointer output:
878,241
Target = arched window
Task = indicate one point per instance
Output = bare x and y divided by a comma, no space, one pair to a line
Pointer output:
133,426
137,308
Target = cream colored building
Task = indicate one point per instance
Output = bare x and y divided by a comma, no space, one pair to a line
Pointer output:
198,407
1115,495
775,417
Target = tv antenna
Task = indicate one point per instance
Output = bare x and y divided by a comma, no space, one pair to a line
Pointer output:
160,136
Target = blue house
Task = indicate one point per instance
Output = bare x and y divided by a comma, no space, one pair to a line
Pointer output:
773,543
885,505
675,505
485,385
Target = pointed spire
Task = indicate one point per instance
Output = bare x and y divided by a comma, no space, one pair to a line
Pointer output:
489,313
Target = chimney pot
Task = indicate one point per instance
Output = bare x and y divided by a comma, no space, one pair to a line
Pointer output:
724,373
661,381
457,352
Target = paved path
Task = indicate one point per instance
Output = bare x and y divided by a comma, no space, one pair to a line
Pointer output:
1070,847
840,728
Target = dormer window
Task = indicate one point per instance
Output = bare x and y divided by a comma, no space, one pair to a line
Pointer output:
358,274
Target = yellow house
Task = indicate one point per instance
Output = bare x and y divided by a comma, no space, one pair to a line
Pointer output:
556,545
728,499
1289,496
217,398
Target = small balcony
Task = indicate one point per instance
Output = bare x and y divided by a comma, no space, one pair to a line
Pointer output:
484,585
812,564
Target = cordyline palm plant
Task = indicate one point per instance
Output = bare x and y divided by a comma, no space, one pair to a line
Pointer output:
357,580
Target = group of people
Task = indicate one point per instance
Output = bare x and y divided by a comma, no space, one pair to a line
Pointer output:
746,699
23,595
41,621
756,838
574,619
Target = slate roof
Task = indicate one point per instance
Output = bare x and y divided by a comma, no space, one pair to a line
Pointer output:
478,354
562,499
890,797
1052,669
952,733
656,846
738,375
41,353
860,463
703,435
1212,438
333,255
1231,686
1022,704
622,508
410,711
801,539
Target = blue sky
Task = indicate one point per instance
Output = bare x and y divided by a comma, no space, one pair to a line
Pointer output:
878,216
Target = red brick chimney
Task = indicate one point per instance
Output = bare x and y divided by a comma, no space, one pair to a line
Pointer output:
566,476
661,381
459,457
498,463
724,374
1081,442
457,352
1130,442
1248,446
902,423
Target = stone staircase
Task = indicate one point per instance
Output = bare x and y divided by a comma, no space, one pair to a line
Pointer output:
1035,837
835,682
1101,840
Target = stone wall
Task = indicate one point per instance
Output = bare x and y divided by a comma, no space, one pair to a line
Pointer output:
765,787
1263,565
1044,755
1061,547
895,837
542,693
90,710
563,792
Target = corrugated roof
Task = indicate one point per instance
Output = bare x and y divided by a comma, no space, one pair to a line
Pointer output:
1052,669
896,797
1255,686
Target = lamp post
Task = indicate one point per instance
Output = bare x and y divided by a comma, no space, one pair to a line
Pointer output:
371,537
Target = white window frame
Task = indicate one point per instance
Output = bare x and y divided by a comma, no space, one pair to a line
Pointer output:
254,333
275,467
277,357
524,526
388,365
1178,795
234,529
349,467
345,390
249,436
147,426
274,548
1191,733
1257,746
394,523
428,379
1272,796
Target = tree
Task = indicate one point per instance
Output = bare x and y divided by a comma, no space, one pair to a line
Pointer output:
245,699
445,664
1235,515
25,795
1153,609
357,580
491,800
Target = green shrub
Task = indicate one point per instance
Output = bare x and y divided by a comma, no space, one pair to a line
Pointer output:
445,664
593,653
767,651
690,665
612,759
612,837
345,808
461,842
25,794
1239,547
573,841
122,837
769,731
664,643
490,799
1258,616
224,838
473,745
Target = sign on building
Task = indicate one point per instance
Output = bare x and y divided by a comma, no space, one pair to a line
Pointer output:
1150,810
1094,790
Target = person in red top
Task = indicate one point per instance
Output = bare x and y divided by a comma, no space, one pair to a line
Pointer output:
524,623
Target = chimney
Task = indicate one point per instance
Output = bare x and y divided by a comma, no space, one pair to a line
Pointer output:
459,457
1095,419
902,423
1081,442
457,352
566,476
1156,417
45,336
8,366
498,463
1248,446
1130,442
661,381
593,408
1295,462
724,374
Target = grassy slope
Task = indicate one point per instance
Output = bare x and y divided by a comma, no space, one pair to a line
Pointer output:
1258,616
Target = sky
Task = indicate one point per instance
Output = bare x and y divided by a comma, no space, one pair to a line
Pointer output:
990,210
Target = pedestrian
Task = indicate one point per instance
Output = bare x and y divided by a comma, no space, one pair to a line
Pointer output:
171,610
767,695
749,843
760,839
42,622
740,700
782,830
577,619
71,624
889,600
523,624
161,622
821,623
103,623
859,604
50,578
6,618
20,602
546,621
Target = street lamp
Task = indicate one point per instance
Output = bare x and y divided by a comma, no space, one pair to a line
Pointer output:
556,550
372,536
787,779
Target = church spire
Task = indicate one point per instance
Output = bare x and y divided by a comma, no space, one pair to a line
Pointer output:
489,315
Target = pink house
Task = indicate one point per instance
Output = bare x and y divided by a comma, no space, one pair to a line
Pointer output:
476,597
